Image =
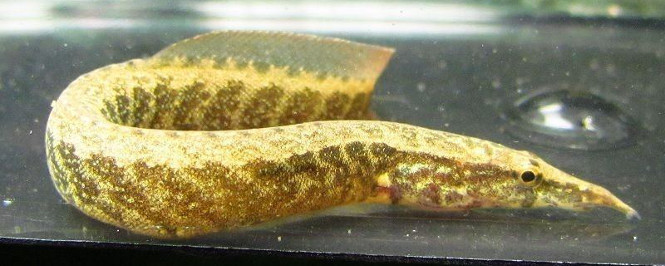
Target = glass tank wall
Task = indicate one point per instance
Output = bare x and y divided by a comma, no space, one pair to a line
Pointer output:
579,84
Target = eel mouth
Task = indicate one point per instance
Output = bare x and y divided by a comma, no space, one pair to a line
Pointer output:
563,190
585,196
607,199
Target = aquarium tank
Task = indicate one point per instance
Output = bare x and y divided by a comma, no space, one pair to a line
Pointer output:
579,83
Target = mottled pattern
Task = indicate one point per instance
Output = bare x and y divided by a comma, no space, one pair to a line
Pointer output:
191,142
213,106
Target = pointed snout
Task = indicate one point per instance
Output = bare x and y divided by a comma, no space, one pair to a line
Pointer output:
566,191
601,197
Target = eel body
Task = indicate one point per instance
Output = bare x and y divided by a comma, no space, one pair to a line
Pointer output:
231,129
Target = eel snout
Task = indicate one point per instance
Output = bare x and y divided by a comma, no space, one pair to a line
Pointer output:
563,190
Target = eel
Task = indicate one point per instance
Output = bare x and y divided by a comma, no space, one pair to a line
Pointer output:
234,128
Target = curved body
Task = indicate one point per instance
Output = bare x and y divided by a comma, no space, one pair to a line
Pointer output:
231,129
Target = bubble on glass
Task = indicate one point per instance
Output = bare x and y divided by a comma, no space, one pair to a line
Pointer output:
571,119
421,86
7,202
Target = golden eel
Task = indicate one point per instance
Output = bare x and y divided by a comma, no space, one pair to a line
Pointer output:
233,128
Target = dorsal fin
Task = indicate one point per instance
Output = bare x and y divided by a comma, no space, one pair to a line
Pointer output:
325,56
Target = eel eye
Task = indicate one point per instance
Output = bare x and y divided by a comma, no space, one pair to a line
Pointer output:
530,178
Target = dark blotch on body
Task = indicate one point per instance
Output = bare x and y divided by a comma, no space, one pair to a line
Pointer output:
359,107
336,106
301,106
261,109
219,114
395,194
141,113
191,97
384,155
164,102
453,197
332,155
430,195
359,157
303,163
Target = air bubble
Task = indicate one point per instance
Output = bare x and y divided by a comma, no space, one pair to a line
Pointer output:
569,119
7,202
